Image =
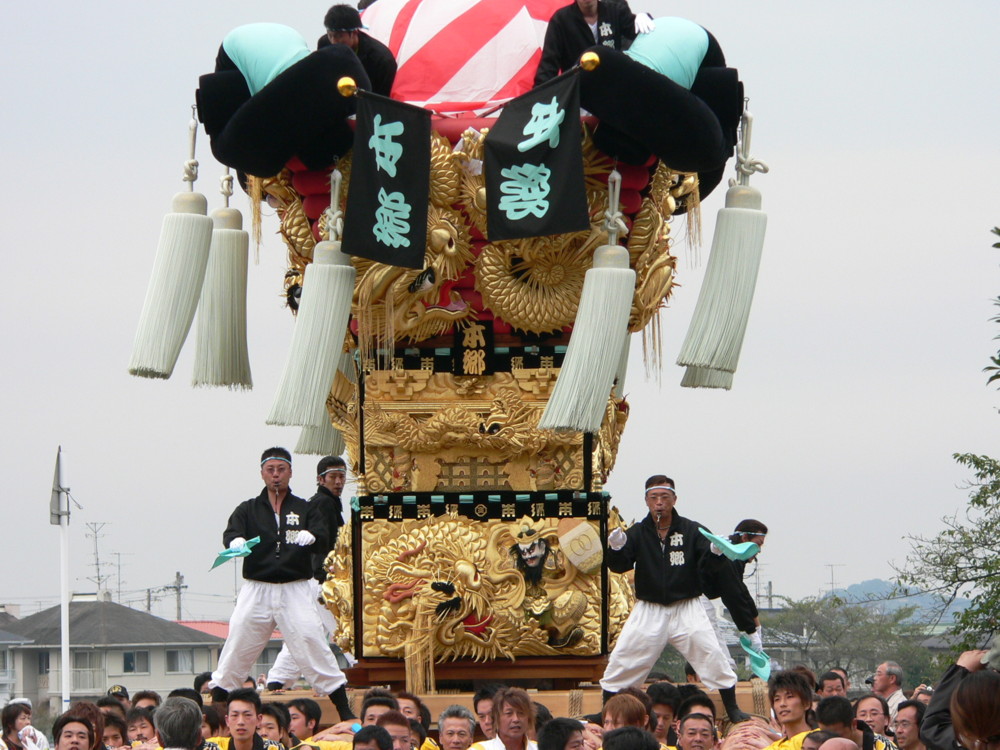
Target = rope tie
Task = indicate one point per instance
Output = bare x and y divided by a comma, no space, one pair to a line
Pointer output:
333,216
746,165
614,224
191,165
225,186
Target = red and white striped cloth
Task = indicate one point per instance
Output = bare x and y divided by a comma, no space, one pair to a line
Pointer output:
461,55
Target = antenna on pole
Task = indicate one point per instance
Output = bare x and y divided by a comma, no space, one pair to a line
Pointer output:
96,535
59,516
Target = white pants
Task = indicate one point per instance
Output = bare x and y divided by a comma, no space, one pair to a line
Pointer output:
714,619
651,628
286,669
292,607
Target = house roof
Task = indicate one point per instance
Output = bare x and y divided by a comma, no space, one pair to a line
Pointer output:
107,624
9,639
219,628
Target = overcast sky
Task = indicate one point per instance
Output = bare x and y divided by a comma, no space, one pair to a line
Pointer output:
860,373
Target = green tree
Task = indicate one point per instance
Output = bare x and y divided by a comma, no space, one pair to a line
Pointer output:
830,631
962,559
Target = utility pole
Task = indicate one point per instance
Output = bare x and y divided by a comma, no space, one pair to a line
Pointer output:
833,582
96,535
149,600
118,556
177,586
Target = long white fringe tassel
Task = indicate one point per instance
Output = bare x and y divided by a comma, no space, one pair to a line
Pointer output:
322,438
703,377
619,389
580,396
176,281
221,356
715,336
324,311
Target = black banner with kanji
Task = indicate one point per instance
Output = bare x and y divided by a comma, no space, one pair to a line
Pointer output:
386,217
534,164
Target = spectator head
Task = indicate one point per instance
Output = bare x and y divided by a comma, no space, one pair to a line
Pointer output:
273,722
790,693
624,711
90,712
15,716
975,710
456,728
148,699
110,705
666,700
813,740
839,743
646,702
697,703
874,711
398,727
304,715
376,703
141,727
417,733
696,732
72,733
542,716
843,673
201,682
906,725
210,722
482,704
835,714
412,707
831,683
561,734
178,723
190,693
372,738
888,678
513,714
924,695
121,693
630,738
243,714
115,730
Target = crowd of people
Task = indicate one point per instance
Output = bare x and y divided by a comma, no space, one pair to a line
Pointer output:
806,713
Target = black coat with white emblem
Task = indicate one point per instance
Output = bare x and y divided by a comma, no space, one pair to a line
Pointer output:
683,567
276,559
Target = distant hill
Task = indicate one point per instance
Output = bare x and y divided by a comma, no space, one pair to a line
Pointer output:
878,591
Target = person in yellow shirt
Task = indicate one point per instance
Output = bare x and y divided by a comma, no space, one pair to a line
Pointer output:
791,696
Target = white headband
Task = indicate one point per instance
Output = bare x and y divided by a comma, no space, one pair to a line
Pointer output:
275,458
661,487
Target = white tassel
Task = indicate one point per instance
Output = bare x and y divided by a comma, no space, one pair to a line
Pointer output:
703,377
715,336
583,386
322,438
221,357
619,389
318,339
176,280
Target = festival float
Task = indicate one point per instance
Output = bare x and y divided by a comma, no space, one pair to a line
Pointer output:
468,261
